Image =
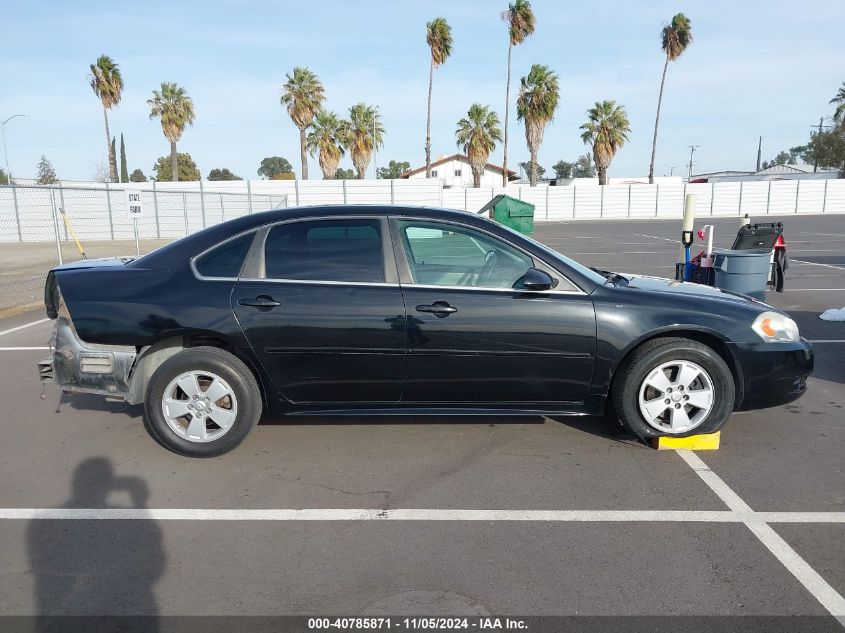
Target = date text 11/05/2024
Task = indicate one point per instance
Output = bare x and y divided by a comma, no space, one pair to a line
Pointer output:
482,623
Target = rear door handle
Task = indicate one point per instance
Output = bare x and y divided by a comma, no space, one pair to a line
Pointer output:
439,309
261,301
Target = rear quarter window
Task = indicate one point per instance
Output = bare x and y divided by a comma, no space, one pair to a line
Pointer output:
226,259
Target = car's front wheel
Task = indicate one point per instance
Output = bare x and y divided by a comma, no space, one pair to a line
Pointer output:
201,402
675,387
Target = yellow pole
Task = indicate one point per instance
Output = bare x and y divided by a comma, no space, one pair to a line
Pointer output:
69,227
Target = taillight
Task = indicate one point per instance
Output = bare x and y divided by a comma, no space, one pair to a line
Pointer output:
51,295
780,242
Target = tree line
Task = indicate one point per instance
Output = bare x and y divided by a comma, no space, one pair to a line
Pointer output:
825,148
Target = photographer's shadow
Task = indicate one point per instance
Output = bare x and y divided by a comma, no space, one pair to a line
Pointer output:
97,567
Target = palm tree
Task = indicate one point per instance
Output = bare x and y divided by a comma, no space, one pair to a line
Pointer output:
675,37
365,134
607,130
108,86
438,34
477,135
328,136
175,109
538,98
520,19
303,96
839,115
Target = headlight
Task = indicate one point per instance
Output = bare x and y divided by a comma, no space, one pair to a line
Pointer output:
775,327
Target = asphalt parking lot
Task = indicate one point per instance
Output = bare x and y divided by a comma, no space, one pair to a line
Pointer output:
440,516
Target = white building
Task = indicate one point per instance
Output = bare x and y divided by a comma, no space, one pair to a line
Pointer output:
455,171
775,172
634,180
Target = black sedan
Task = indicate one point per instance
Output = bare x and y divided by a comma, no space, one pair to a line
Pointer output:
391,310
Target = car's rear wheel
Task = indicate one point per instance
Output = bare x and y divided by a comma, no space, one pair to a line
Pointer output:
675,387
201,402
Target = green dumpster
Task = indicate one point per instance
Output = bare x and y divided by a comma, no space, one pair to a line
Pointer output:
512,212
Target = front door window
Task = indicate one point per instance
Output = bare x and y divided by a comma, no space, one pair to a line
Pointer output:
451,255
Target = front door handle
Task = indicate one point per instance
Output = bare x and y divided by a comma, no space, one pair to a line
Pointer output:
261,301
440,309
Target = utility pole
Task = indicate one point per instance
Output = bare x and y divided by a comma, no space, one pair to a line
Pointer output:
816,158
759,152
375,169
5,151
692,149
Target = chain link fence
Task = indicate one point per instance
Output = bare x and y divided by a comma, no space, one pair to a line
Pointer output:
43,226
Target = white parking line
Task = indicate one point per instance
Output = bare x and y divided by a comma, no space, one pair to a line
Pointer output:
613,253
827,340
370,514
813,289
21,327
655,237
829,598
575,240
416,514
801,261
21,349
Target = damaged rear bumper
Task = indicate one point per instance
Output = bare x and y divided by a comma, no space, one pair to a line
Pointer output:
79,367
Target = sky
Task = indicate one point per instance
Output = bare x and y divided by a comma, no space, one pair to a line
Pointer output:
754,69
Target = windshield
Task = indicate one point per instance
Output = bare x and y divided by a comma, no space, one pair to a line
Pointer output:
589,273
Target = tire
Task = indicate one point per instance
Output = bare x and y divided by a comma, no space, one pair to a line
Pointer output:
652,378
179,412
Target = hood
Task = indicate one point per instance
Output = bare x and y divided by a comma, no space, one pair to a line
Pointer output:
103,262
672,286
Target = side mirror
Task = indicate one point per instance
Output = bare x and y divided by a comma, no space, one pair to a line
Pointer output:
535,279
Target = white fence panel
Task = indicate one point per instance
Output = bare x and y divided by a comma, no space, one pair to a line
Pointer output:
418,193
614,203
533,195
726,198
273,187
477,198
703,193
835,198
37,223
670,201
561,203
454,199
784,198
587,202
173,219
754,198
368,191
643,201
810,196
313,192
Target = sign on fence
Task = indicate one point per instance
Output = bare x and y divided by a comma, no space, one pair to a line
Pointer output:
134,207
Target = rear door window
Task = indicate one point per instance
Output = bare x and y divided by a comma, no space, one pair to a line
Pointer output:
326,250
